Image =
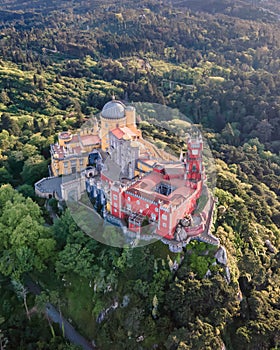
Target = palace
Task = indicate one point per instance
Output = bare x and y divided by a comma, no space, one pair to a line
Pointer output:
130,182
70,153
162,196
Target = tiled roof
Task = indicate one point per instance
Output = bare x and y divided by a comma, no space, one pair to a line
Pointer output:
77,150
58,150
79,142
128,131
118,133
88,140
74,139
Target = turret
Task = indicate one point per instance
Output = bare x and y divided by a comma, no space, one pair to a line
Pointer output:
95,126
130,116
194,167
64,137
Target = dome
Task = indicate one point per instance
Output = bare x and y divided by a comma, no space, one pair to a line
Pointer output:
113,110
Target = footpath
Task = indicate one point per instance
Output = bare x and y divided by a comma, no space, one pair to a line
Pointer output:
70,332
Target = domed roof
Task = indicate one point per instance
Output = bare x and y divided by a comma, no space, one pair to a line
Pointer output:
113,110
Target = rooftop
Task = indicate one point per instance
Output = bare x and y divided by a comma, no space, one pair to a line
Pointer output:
50,185
75,146
89,140
157,186
119,133
64,135
114,109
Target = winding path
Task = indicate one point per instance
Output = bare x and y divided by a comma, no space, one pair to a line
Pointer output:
70,333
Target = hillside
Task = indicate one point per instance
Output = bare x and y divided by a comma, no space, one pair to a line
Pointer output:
256,10
218,63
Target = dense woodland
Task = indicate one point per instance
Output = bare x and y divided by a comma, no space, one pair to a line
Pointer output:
218,63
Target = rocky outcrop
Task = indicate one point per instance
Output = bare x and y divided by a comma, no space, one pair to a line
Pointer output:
221,255
270,247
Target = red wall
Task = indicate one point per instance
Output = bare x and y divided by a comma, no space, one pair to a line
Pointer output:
137,204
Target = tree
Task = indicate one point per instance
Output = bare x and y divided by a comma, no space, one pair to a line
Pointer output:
27,191
3,339
155,306
41,84
4,98
34,169
5,176
5,122
75,258
9,124
41,302
25,244
56,300
21,292
264,130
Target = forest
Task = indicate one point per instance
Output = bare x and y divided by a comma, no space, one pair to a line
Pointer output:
218,64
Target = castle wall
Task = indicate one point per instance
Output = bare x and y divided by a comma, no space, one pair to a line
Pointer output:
69,165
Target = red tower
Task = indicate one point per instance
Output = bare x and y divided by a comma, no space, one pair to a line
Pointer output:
194,167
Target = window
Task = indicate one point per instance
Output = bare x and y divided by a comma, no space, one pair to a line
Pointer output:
65,165
156,210
138,202
164,217
141,211
164,224
81,162
153,217
128,206
128,198
147,206
115,197
115,210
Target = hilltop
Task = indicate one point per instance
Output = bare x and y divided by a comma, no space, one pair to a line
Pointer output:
218,63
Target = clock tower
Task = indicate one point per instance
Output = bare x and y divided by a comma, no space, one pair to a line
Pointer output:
194,167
